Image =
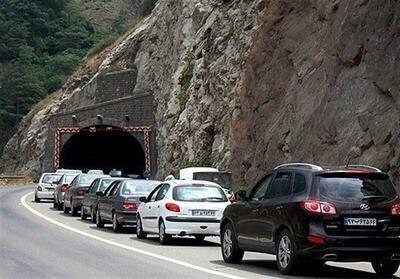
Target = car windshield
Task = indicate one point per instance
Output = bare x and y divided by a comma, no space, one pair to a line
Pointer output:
105,183
86,180
357,188
138,187
194,193
51,178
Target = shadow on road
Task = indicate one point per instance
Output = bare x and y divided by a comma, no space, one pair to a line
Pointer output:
268,267
177,241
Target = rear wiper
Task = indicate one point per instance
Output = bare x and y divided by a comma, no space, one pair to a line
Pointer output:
375,198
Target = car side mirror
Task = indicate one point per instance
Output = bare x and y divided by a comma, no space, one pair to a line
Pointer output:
241,195
99,193
142,199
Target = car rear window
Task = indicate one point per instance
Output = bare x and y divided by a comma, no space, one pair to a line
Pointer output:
105,183
356,188
194,193
138,187
86,180
69,178
51,178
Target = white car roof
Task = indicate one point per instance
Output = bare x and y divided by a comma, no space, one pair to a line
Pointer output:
188,182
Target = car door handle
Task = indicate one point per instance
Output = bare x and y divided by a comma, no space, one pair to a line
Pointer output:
279,207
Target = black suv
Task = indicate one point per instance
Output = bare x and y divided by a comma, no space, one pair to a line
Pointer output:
303,212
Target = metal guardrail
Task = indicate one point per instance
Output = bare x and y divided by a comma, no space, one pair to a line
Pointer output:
11,177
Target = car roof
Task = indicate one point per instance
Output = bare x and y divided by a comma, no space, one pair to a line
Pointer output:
189,182
361,169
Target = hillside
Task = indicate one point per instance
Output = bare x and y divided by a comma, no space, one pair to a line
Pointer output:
245,85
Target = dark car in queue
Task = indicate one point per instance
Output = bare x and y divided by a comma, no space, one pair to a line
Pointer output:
303,212
74,195
89,203
62,186
119,203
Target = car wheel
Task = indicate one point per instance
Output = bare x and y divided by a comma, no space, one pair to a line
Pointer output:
74,210
139,229
37,199
93,215
385,268
200,238
163,236
83,214
229,247
59,206
55,205
116,226
99,222
65,208
285,252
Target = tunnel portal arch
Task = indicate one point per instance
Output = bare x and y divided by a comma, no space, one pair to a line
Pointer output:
104,147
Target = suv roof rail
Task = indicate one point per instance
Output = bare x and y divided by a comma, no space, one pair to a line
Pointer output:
299,165
363,167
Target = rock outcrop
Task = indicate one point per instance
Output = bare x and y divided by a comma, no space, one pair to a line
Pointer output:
246,85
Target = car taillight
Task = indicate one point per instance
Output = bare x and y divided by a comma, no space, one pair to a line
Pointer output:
172,207
64,188
395,210
80,192
129,206
316,240
39,188
324,208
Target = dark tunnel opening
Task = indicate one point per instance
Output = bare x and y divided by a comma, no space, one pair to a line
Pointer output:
103,149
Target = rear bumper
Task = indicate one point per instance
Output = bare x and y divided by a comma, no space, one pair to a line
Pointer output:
191,226
355,249
77,201
44,195
126,218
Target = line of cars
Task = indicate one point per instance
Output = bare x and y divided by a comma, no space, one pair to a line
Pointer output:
302,213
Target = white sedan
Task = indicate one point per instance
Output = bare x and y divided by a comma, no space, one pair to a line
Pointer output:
182,207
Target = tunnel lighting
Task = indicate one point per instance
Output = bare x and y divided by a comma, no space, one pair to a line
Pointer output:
127,118
74,119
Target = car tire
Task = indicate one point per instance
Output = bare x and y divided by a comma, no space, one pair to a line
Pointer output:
74,210
93,215
99,221
59,206
164,238
83,214
65,208
200,238
116,226
55,205
385,268
140,234
285,252
231,252
37,199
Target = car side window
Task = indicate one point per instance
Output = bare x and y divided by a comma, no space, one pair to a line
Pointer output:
115,189
280,186
162,192
300,183
153,194
261,189
92,189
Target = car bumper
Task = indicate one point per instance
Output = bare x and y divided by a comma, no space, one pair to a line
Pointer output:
355,249
77,202
44,195
126,218
191,226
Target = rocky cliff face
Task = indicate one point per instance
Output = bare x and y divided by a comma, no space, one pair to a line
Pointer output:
250,84
106,13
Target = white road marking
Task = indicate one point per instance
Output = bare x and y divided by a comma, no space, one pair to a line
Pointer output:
136,250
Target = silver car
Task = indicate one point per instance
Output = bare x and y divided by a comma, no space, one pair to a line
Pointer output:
61,188
46,185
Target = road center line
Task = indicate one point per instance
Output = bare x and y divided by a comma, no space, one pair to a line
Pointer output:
136,250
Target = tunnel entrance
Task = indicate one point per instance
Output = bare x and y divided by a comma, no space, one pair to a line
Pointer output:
104,148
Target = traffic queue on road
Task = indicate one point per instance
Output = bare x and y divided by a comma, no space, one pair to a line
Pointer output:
302,213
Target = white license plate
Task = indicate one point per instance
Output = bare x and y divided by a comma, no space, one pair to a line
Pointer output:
203,212
50,189
360,222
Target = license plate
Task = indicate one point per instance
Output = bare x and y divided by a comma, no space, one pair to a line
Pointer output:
360,222
50,189
203,212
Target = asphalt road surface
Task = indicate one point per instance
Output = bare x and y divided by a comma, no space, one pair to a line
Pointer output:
37,241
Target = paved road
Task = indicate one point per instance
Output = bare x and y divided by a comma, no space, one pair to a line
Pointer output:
51,244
